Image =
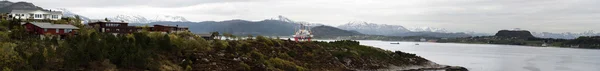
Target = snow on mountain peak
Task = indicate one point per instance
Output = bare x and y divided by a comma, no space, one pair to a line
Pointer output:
372,28
428,29
145,19
67,13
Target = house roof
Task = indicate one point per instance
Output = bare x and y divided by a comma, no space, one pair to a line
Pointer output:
29,11
50,25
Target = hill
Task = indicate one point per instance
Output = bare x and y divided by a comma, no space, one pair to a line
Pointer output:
514,33
7,6
238,27
328,31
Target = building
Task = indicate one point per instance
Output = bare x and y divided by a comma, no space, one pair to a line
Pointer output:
114,27
49,28
169,29
124,28
36,14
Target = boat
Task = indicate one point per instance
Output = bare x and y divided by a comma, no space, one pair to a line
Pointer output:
303,34
416,43
395,43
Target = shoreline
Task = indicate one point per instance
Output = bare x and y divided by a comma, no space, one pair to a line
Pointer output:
429,67
474,43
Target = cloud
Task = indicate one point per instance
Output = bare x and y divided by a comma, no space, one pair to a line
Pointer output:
454,15
120,3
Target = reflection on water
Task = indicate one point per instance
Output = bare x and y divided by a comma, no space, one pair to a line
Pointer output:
479,57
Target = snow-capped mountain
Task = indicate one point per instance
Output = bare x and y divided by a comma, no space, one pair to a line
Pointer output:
285,19
145,19
566,35
67,13
374,29
428,29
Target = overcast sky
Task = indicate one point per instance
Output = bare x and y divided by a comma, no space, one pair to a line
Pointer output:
455,15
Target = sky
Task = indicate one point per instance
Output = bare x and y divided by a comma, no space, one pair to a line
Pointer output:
486,16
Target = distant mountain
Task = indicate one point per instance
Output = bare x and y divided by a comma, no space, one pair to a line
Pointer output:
428,29
566,35
478,34
67,13
7,6
144,19
280,26
396,30
285,19
269,27
434,34
328,31
374,29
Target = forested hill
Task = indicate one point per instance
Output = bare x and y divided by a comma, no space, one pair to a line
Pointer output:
331,32
238,27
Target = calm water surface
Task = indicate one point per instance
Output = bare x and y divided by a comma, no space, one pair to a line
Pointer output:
480,57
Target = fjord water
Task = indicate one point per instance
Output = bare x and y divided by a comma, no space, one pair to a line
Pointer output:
484,57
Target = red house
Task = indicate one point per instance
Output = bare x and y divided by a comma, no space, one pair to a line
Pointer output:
49,28
114,27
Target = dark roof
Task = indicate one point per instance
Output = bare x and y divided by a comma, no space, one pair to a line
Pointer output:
50,25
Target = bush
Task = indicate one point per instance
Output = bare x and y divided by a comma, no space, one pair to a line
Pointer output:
285,65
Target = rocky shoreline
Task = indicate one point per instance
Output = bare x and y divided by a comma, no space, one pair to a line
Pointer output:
431,66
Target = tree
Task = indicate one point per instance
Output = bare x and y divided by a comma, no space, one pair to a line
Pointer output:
214,35
228,35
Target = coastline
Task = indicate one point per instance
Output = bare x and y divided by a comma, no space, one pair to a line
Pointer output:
469,43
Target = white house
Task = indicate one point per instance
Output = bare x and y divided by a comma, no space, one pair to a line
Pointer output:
36,14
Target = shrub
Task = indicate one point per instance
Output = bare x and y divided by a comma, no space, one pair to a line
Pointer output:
285,65
244,67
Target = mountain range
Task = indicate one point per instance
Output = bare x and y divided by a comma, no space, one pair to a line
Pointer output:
374,29
397,30
281,25
566,35
144,20
428,29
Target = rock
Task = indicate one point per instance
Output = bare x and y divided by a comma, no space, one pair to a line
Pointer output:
456,68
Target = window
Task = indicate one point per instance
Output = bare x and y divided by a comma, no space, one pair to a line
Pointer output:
45,30
54,16
38,15
56,30
118,30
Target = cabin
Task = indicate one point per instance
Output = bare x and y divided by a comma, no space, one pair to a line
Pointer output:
49,28
114,27
36,14
169,29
